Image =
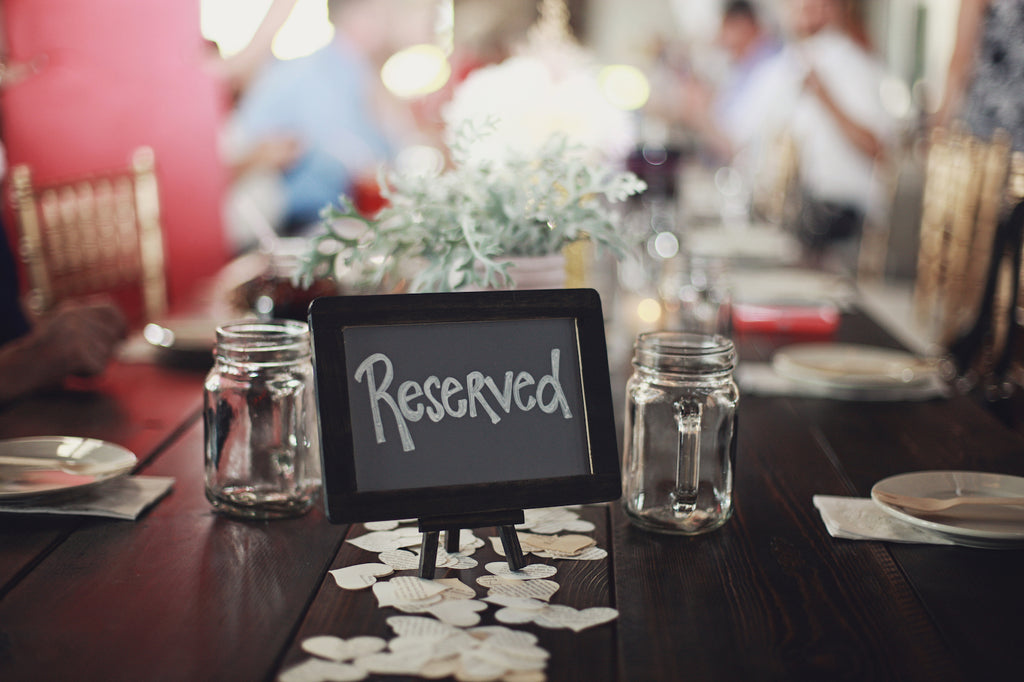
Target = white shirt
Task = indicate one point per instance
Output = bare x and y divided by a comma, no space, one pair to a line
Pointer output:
831,167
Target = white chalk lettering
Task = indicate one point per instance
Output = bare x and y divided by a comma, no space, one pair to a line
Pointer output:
552,380
449,387
474,382
376,395
410,390
436,409
505,397
523,380
410,402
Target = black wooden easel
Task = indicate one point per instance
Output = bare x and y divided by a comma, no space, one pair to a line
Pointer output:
452,526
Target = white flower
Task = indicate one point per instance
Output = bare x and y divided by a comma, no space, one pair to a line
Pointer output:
531,99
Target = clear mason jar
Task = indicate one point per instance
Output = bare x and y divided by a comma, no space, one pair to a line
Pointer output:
680,432
261,443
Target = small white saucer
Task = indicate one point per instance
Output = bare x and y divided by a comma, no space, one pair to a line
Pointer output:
48,465
989,527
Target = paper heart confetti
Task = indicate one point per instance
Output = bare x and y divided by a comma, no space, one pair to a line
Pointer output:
562,544
518,603
527,589
384,540
534,547
380,525
360,576
524,676
514,617
491,580
589,554
579,526
339,650
443,642
456,589
474,666
460,562
531,572
407,591
418,626
462,613
407,560
552,520
557,616
395,663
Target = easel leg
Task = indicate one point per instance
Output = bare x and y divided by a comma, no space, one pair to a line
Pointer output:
451,539
513,550
428,555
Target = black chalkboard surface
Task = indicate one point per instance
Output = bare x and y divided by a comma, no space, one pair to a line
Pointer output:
440,405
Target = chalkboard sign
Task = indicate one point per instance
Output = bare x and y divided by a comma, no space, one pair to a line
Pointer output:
440,405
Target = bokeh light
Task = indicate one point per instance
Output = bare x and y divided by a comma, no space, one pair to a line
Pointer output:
416,71
626,87
231,24
648,310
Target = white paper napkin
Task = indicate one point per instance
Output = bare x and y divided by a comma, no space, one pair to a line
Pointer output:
125,497
760,378
859,518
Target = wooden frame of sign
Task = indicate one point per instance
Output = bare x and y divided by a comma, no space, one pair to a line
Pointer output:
463,408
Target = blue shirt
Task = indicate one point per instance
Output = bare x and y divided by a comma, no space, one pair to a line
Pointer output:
324,101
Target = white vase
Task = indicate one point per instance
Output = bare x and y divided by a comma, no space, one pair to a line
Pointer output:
535,272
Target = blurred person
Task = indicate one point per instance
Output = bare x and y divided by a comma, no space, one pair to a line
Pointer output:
825,95
727,119
985,82
76,339
315,125
237,71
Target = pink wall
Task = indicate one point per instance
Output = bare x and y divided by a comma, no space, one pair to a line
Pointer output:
119,74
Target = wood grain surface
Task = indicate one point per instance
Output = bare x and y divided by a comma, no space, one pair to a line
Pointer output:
184,594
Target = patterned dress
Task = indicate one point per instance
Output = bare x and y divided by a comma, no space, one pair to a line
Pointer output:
995,97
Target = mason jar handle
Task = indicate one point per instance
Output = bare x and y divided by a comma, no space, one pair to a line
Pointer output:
688,418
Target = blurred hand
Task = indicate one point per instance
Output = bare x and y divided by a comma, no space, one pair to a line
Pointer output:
77,338
80,338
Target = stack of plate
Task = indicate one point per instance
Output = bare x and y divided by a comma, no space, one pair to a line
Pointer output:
857,370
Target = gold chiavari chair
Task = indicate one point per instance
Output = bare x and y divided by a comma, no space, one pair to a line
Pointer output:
876,230
94,234
961,204
1011,363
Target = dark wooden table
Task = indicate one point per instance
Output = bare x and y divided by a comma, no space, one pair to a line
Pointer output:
182,594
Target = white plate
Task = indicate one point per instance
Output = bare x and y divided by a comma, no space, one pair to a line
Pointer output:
47,465
999,526
846,365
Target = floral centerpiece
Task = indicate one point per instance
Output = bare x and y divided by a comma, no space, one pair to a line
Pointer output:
459,226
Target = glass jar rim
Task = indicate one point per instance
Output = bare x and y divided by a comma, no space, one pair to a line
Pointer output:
263,335
686,352
683,344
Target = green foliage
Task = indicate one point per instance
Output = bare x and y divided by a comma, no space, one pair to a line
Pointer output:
459,223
